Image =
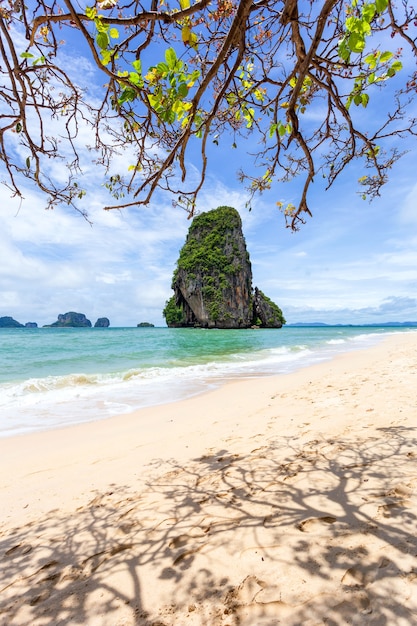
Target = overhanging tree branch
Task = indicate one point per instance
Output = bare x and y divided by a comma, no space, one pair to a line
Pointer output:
286,78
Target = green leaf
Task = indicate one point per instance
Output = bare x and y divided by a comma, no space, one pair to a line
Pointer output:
26,55
368,12
128,95
90,12
273,129
134,78
101,27
356,42
168,116
281,129
184,4
397,66
170,58
137,65
249,114
351,23
381,5
371,60
153,100
162,69
183,90
40,60
102,40
106,56
386,56
28,162
114,33
343,51
365,100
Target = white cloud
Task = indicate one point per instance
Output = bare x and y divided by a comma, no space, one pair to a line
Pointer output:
352,262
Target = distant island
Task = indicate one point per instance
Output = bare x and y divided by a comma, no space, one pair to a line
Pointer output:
66,320
145,325
9,322
77,320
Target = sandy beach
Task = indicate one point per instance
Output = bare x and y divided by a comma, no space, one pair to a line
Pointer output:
283,500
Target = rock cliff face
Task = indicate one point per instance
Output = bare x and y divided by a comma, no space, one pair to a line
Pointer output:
212,283
266,313
72,320
213,279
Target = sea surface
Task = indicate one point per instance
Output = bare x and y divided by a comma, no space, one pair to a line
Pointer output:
53,377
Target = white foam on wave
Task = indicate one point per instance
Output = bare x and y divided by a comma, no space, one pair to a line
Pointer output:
42,403
54,401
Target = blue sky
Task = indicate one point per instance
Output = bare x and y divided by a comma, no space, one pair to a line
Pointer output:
353,262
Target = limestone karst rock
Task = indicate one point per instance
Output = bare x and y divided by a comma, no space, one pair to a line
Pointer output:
9,322
102,322
213,280
71,320
266,313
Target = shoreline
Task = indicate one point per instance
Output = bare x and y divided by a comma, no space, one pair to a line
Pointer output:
289,497
76,398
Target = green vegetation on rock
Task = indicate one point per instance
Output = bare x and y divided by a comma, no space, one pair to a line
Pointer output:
213,274
213,278
272,312
210,244
174,315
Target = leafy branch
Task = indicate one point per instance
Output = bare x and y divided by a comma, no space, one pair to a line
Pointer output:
285,78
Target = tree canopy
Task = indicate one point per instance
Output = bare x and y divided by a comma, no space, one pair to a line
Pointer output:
286,81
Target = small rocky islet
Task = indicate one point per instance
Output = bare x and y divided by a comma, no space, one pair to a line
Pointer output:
212,282
65,320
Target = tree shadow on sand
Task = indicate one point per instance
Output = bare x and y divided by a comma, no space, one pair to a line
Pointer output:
318,534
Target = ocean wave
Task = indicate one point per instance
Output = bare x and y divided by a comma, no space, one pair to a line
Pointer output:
69,386
61,399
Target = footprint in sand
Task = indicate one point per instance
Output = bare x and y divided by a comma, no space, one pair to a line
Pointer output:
40,597
181,542
96,560
315,523
19,550
393,508
254,602
358,577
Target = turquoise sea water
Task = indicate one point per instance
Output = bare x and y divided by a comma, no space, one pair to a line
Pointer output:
50,377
